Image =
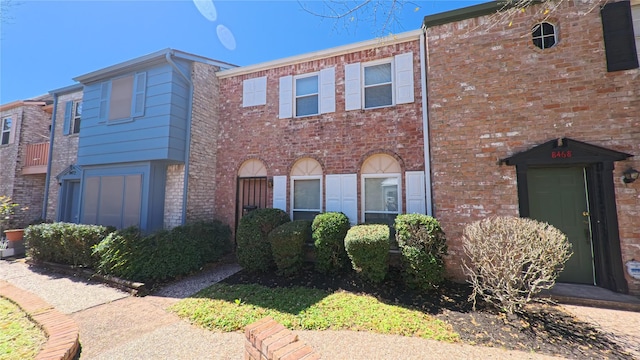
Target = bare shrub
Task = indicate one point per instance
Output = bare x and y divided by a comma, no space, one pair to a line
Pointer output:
509,260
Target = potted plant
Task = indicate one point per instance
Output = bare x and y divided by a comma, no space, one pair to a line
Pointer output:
7,219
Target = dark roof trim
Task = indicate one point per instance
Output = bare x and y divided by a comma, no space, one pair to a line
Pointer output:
469,12
563,151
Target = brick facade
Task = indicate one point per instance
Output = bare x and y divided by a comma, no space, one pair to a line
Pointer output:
340,141
65,152
173,197
507,96
31,126
204,127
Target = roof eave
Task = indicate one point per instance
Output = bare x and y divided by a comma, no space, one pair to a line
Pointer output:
344,49
469,12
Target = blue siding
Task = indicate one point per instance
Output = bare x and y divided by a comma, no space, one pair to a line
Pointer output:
159,134
153,175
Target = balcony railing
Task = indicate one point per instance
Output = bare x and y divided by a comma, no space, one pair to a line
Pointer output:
36,158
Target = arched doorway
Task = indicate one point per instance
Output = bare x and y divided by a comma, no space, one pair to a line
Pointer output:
251,191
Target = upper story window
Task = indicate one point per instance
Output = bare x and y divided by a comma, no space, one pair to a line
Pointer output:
77,113
380,83
124,97
72,115
307,95
621,34
5,135
378,89
544,35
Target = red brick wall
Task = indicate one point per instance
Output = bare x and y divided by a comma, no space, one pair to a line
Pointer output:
493,94
340,141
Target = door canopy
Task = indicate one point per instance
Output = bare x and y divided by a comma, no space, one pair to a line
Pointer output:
565,151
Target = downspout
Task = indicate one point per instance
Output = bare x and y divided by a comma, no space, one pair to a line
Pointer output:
45,203
188,140
425,121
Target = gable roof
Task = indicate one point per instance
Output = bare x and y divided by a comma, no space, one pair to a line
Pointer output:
564,151
146,61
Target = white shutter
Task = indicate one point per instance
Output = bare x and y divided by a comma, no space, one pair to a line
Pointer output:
286,97
352,87
415,188
260,91
404,78
280,192
248,92
342,195
328,90
254,91
333,193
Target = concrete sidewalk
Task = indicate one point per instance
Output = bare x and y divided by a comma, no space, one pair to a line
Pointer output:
114,325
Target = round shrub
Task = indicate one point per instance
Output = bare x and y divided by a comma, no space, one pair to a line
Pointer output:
287,245
510,259
423,246
368,249
212,239
253,248
329,230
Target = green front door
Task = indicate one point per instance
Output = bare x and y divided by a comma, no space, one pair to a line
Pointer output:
558,196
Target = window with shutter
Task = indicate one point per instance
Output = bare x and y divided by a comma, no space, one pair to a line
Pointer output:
123,98
619,38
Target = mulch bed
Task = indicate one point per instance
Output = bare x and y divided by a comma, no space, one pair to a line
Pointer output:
543,328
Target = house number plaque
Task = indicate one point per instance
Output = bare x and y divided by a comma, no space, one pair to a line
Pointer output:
561,154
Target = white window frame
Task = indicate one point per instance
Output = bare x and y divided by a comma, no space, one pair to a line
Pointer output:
392,83
292,190
296,96
75,117
364,195
8,131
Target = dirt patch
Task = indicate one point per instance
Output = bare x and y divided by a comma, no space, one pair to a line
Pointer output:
543,328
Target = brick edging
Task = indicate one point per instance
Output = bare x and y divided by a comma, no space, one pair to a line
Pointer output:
63,341
267,339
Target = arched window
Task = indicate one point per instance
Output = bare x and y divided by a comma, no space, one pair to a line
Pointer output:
252,187
381,189
306,189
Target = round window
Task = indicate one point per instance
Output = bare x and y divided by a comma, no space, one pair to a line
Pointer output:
544,35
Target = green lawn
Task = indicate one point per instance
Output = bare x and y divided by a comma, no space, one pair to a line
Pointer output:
20,338
225,307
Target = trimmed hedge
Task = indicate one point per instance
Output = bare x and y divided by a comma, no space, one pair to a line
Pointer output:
253,249
162,255
423,246
368,249
287,245
329,230
64,243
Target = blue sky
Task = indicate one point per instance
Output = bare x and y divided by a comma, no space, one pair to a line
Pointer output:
45,44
